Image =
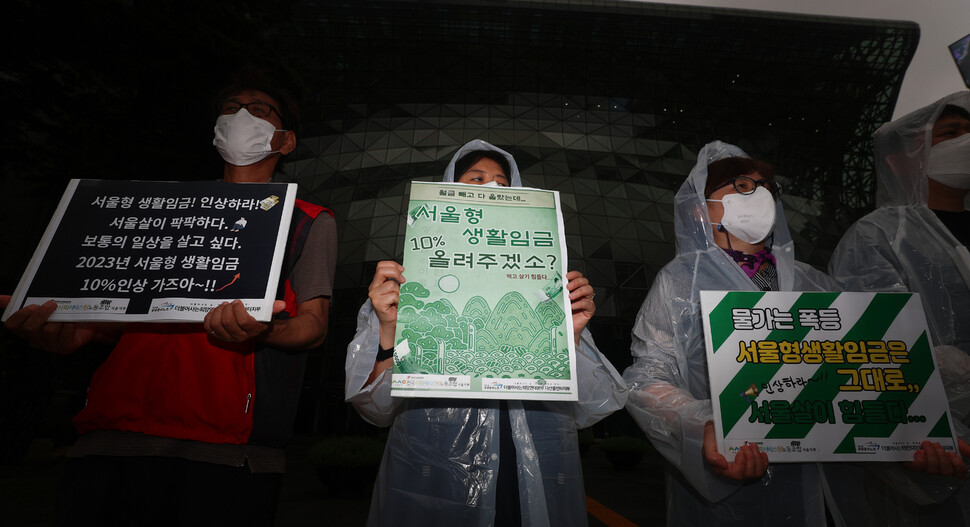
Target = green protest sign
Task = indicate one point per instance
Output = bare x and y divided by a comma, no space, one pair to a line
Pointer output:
484,313
823,376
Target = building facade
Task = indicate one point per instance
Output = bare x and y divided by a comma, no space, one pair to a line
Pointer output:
606,102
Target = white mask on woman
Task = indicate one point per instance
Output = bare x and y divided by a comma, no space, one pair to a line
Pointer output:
242,139
949,162
749,217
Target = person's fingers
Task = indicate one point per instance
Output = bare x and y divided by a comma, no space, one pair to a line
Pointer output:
584,291
933,461
247,324
17,319
385,297
752,460
963,448
213,323
65,338
576,283
709,450
760,462
958,467
717,461
388,286
582,313
918,463
207,319
388,270
945,463
36,320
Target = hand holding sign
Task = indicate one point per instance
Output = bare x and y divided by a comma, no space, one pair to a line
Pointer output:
749,463
581,300
384,292
230,322
932,459
31,324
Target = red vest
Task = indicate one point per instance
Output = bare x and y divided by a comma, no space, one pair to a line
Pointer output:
172,380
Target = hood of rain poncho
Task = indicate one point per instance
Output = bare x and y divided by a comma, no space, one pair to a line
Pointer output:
515,179
902,150
692,223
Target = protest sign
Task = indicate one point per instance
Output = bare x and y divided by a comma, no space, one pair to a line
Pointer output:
823,376
159,251
484,313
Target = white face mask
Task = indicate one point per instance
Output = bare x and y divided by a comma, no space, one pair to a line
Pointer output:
949,162
243,139
749,217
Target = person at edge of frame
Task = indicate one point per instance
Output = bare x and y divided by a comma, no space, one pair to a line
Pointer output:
916,241
476,462
186,423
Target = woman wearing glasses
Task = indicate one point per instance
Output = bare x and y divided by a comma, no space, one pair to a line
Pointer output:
730,235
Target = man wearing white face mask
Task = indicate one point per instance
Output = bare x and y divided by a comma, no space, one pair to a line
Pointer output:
186,423
948,171
244,133
916,241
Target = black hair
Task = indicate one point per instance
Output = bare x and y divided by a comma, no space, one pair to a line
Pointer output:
723,170
466,161
952,110
251,77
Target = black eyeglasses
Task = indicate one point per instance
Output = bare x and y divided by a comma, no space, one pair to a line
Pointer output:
256,109
746,185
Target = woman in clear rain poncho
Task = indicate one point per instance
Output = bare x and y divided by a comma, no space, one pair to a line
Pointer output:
916,241
669,387
443,456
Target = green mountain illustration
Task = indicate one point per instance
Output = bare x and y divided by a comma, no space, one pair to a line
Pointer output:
513,322
477,307
511,340
550,313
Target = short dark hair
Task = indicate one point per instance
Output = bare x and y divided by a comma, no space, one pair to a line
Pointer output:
723,170
952,110
474,156
251,77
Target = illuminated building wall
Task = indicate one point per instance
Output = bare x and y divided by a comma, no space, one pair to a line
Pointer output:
606,102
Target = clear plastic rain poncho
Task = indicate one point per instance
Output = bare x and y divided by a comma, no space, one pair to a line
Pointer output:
902,245
441,460
669,387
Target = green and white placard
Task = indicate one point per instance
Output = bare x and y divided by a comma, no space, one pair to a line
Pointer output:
484,311
823,376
